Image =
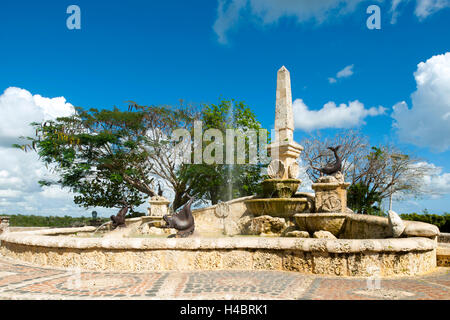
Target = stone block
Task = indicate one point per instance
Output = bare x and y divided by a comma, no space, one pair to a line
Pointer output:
323,235
298,261
267,260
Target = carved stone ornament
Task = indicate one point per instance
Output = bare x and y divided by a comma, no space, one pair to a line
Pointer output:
294,170
331,203
222,210
276,169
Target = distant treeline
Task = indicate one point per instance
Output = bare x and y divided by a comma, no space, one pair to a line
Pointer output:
19,220
441,221
62,222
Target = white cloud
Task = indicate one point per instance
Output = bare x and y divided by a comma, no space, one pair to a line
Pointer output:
426,8
427,123
20,171
437,183
395,11
344,73
332,116
269,11
18,108
423,9
229,12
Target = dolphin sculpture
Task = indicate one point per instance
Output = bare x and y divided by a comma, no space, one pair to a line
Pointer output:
182,221
334,167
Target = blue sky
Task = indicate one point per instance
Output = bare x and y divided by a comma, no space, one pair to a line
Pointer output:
157,52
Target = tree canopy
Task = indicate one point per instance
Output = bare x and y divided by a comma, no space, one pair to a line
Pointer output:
224,181
112,158
106,157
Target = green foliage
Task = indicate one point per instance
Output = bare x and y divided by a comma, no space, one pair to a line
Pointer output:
134,215
41,221
103,156
362,199
222,182
441,221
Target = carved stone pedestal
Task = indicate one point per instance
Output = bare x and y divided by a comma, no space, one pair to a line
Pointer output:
331,194
4,224
159,206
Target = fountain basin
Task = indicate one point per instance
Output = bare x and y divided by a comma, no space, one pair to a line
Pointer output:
343,257
312,222
280,188
282,208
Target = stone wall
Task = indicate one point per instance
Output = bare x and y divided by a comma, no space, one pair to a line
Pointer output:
4,224
405,256
362,226
209,220
443,254
19,229
444,237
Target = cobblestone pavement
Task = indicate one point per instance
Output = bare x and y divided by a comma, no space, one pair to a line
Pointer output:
19,280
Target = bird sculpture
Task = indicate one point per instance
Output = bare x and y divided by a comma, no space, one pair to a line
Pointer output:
182,221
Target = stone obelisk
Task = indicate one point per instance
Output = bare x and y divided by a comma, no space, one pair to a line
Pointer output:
284,118
284,151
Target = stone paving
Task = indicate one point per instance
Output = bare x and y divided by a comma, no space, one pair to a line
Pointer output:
19,280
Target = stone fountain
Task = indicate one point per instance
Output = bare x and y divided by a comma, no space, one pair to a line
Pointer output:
277,199
308,233
322,214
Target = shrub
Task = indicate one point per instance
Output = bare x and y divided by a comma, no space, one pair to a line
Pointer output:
441,221
134,215
42,221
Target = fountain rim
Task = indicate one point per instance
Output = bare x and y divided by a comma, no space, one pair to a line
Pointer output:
46,238
277,200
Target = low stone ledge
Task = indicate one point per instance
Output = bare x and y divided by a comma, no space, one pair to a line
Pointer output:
383,229
21,229
381,221
48,238
444,237
420,229
443,255
342,257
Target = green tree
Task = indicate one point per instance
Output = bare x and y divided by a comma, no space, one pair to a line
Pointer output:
106,157
220,181
362,199
441,221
